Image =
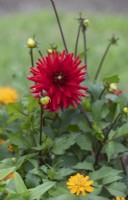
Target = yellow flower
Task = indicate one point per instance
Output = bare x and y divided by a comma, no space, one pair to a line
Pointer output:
8,95
120,198
80,184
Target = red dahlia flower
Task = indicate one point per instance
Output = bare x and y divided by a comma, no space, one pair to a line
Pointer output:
59,76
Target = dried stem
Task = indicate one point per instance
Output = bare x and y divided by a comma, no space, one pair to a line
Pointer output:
59,24
104,141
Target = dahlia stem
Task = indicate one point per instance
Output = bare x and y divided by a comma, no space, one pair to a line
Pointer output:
77,39
112,41
85,44
40,53
59,24
41,129
31,56
84,114
104,141
102,93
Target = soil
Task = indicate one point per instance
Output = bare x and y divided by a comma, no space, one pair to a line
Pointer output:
8,7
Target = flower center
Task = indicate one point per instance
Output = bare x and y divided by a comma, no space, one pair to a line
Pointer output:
59,78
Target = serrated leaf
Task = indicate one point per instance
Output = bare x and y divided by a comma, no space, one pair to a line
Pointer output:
123,130
61,173
112,148
104,172
111,179
63,143
63,197
99,110
84,142
117,189
84,165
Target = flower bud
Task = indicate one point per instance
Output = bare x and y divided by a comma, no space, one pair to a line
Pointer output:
49,51
86,23
31,43
112,87
45,100
125,110
13,159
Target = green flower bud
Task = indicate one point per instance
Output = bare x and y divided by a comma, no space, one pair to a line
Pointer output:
49,51
45,100
31,43
125,110
112,87
86,22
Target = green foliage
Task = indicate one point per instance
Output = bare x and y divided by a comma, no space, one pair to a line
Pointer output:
91,140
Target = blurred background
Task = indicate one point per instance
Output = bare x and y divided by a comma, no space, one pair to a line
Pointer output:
20,20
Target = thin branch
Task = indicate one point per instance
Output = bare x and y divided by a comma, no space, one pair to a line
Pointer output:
102,60
59,24
84,114
85,45
31,56
77,39
105,139
41,130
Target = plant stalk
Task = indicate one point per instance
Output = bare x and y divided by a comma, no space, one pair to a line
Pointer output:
59,24
102,60
104,141
40,133
84,114
77,39
31,56
85,45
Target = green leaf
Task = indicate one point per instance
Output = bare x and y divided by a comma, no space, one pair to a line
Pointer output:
61,173
111,79
84,165
123,130
14,197
99,110
84,142
20,186
5,172
63,143
111,179
38,191
93,197
112,148
24,158
104,172
64,197
117,189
